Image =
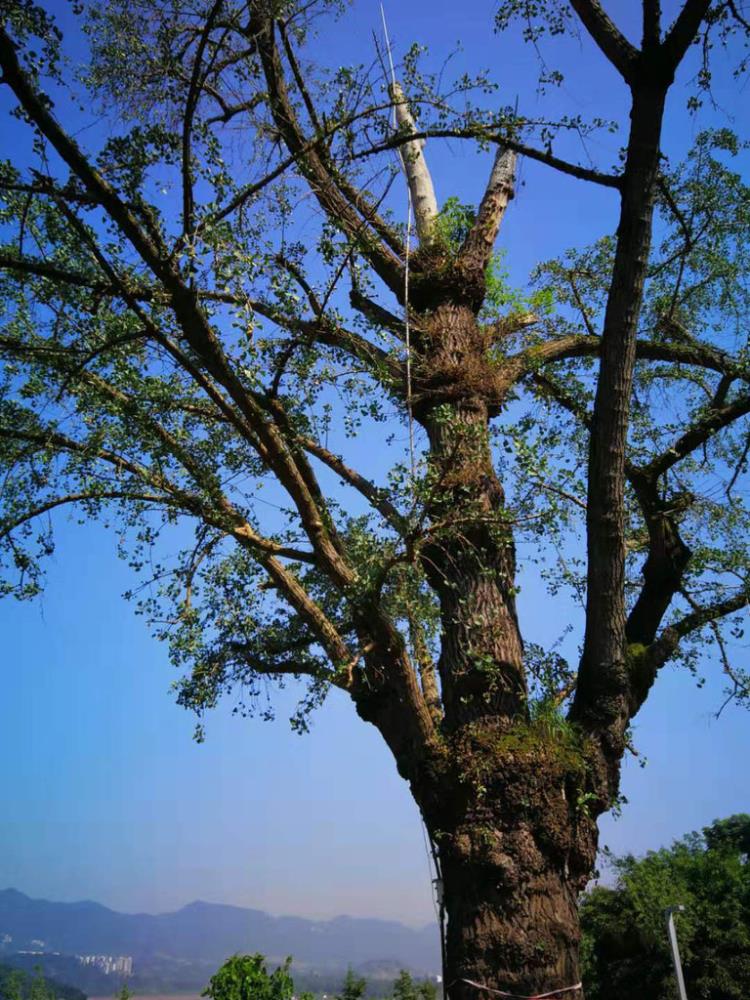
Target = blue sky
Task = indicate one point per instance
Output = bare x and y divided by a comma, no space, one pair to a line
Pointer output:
105,795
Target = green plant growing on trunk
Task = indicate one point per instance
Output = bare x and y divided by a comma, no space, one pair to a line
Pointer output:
170,361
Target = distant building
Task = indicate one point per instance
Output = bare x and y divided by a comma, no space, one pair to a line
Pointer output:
110,965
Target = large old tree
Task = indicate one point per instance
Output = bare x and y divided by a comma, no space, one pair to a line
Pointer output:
206,304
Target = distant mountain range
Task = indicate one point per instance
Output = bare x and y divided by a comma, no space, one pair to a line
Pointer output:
201,935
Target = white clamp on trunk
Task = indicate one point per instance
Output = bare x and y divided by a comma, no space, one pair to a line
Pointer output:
417,175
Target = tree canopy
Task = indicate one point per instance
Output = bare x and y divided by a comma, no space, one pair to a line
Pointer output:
245,977
165,370
626,948
16,984
206,306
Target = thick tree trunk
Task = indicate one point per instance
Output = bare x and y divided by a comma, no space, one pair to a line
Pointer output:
503,797
470,556
522,939
516,846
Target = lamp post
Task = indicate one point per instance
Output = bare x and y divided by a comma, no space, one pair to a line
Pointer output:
669,915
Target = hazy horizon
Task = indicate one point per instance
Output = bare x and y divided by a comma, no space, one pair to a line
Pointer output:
219,902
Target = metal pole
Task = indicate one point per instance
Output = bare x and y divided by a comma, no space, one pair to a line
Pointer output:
669,914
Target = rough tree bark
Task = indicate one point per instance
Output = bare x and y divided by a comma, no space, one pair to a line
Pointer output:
500,799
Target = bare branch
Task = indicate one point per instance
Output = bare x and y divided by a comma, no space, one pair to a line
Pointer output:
669,641
583,345
743,21
480,241
191,104
417,173
193,321
45,186
741,463
697,435
651,24
141,292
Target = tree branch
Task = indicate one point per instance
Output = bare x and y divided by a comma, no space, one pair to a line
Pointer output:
193,322
377,497
140,292
7,526
607,36
191,104
646,665
377,314
667,559
490,134
361,202
683,32
278,667
703,429
417,173
651,24
322,182
224,517
103,193
583,345
480,241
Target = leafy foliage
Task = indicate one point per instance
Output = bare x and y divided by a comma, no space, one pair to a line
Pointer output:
626,949
353,987
16,984
130,437
405,988
244,977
